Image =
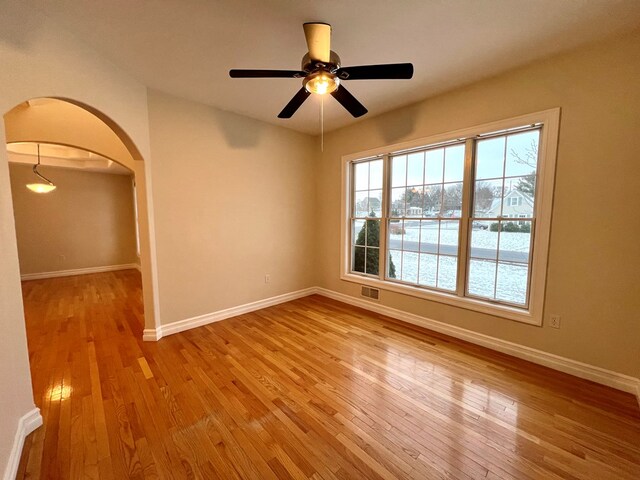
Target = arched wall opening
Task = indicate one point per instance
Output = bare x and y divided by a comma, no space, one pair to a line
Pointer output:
70,123
41,59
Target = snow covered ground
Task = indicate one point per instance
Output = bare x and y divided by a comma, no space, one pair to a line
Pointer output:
488,278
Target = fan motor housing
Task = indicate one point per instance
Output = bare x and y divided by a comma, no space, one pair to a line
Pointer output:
309,65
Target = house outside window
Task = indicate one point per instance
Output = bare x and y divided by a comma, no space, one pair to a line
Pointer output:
462,218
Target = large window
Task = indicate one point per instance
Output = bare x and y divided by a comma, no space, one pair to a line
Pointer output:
462,218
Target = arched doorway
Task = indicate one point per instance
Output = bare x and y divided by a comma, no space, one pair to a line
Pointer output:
69,123
66,122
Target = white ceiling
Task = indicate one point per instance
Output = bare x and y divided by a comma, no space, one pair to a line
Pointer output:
186,47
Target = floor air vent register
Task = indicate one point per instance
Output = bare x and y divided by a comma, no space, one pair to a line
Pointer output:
369,292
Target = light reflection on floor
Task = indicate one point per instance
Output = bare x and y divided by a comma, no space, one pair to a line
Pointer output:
59,392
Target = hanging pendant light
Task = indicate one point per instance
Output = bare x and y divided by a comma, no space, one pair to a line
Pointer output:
41,187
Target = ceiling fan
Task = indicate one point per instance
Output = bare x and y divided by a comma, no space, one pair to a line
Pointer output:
322,73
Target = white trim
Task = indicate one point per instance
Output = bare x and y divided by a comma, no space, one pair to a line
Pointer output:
530,118
550,120
200,320
78,271
137,266
599,375
151,335
26,424
152,267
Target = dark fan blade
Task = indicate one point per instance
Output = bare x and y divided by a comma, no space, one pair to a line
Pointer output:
266,74
293,105
377,72
348,101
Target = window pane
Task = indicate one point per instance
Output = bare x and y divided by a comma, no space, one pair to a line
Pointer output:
415,169
487,199
519,196
396,232
373,260
522,153
434,165
515,241
411,237
432,200
373,233
395,263
414,199
358,232
512,283
482,277
410,267
452,205
490,158
375,174
361,204
447,272
449,233
399,171
397,202
484,241
428,268
454,163
375,203
358,256
361,173
429,236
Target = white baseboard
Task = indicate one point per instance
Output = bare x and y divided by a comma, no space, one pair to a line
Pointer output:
189,323
600,375
151,334
78,271
27,424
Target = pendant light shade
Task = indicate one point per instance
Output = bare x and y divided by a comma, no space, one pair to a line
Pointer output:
46,185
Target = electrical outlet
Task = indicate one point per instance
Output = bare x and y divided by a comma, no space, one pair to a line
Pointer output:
267,278
554,321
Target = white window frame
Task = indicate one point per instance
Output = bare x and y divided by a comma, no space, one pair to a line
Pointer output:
547,151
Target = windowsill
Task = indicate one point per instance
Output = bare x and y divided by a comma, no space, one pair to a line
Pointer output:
503,311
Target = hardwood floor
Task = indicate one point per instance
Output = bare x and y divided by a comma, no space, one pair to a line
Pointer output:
308,389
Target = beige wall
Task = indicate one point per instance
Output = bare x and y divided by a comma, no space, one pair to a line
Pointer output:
40,60
89,220
234,200
594,274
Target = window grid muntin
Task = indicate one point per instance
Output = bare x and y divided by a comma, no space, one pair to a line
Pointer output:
354,217
421,220
503,219
420,250
529,266
386,217
401,219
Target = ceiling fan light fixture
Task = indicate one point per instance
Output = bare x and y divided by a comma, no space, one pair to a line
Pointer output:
322,73
321,82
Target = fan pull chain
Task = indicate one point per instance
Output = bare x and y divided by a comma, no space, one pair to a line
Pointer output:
322,123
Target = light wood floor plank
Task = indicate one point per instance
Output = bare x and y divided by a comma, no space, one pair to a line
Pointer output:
310,389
